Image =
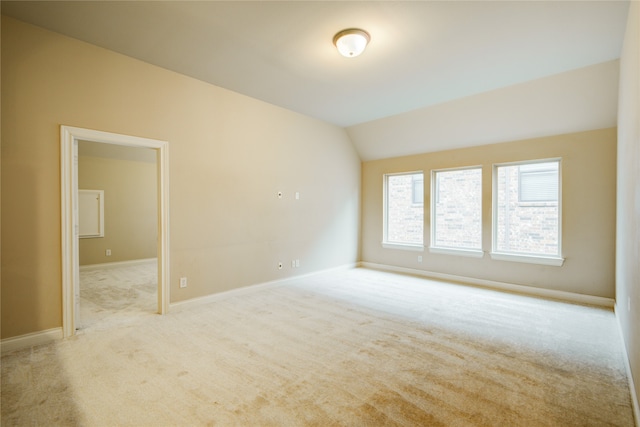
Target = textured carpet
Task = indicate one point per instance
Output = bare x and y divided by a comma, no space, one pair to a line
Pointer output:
352,348
117,295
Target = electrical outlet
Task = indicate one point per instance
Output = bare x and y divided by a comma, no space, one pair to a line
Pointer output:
279,194
280,266
107,252
183,282
297,263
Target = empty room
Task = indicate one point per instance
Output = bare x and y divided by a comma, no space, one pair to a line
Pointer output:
291,213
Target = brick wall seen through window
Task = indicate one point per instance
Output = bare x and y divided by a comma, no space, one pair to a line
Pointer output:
404,208
527,223
457,209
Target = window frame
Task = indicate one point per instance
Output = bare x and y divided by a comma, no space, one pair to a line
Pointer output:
385,215
474,253
553,260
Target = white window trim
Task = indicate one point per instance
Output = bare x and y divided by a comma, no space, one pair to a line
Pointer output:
529,259
403,246
473,253
477,253
554,260
397,245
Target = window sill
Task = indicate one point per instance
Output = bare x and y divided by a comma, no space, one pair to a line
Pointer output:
403,246
530,259
460,252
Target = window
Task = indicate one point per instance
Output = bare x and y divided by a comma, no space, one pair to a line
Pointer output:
404,210
456,220
527,207
538,182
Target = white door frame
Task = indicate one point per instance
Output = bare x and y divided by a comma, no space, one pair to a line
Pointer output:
69,137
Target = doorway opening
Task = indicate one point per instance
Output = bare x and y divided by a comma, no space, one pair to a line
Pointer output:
117,185
70,138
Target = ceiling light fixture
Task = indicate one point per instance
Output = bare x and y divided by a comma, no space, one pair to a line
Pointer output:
351,42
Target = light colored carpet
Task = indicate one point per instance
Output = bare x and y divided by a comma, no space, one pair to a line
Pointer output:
353,348
117,295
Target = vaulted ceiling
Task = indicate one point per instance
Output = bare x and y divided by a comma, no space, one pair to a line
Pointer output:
422,53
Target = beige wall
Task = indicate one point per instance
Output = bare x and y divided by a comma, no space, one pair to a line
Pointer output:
229,155
588,205
628,213
130,208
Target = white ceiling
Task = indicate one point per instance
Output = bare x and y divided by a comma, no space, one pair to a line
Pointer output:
422,53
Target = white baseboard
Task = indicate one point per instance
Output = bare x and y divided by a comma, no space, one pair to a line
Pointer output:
194,302
632,386
508,287
29,340
117,264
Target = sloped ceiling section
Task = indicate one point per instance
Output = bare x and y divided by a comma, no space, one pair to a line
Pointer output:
574,101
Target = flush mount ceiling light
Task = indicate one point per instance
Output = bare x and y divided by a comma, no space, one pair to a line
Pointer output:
351,42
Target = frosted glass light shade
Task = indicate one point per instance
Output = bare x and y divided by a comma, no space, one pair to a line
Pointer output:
351,42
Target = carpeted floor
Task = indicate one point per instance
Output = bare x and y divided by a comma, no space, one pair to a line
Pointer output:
117,295
352,348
